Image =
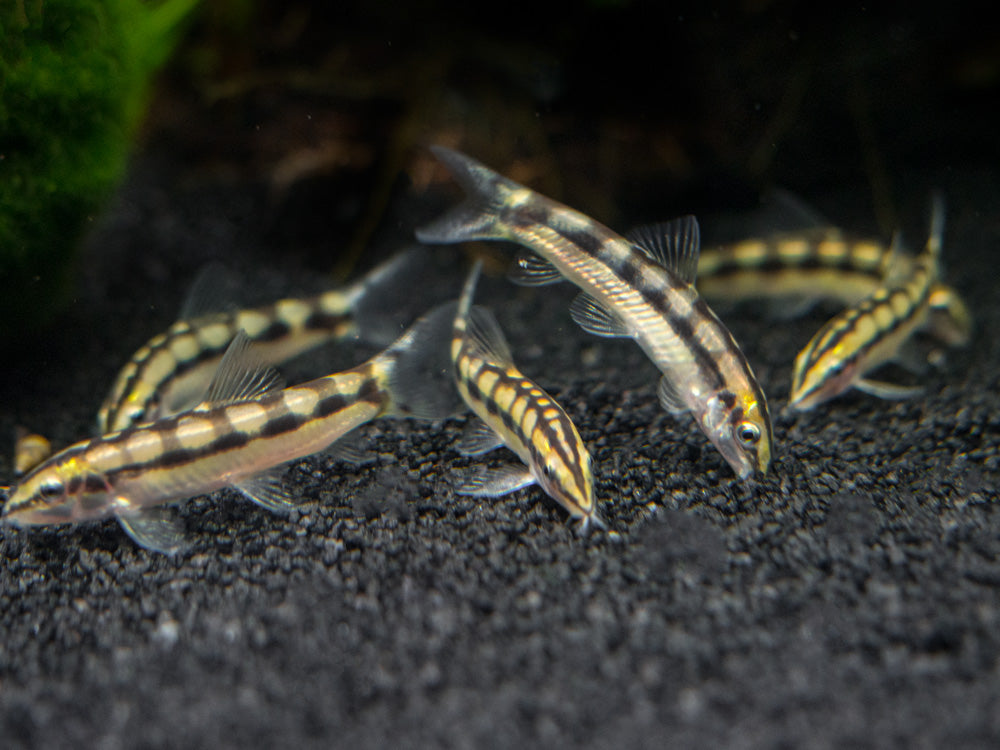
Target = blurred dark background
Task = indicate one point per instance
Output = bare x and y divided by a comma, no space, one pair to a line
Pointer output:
630,111
851,600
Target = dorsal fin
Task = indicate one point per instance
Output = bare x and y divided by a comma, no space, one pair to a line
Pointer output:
214,290
673,244
241,375
789,212
483,331
898,262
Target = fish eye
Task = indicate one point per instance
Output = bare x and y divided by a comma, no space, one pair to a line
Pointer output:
51,488
748,433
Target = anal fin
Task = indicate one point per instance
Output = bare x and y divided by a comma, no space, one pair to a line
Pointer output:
912,358
353,448
888,391
268,491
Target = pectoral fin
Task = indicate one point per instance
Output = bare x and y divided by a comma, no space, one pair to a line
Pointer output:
478,438
532,270
495,482
670,399
156,529
889,391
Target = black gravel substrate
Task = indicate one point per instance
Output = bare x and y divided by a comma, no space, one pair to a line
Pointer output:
852,599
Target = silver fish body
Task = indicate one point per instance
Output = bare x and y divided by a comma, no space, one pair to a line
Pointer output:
644,293
808,265
170,372
245,430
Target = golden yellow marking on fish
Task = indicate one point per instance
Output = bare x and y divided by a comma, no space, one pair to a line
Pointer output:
195,431
529,422
805,266
144,447
29,450
869,254
170,372
750,252
883,315
869,334
523,417
517,409
630,293
235,441
900,303
293,312
487,380
184,347
215,335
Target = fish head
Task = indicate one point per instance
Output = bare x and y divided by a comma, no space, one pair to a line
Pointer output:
739,426
816,379
571,484
60,490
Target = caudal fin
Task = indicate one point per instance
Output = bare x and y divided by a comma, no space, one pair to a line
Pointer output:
936,232
420,378
478,217
377,308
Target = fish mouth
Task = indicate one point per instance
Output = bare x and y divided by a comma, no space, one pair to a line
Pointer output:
738,461
806,401
61,513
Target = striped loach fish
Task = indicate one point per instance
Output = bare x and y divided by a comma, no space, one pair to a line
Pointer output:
872,332
170,372
240,436
512,410
792,271
640,288
799,268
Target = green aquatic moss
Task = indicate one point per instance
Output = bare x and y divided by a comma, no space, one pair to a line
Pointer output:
74,78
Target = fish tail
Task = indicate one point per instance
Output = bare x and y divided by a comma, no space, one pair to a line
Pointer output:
936,232
479,217
376,315
465,301
950,321
418,371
